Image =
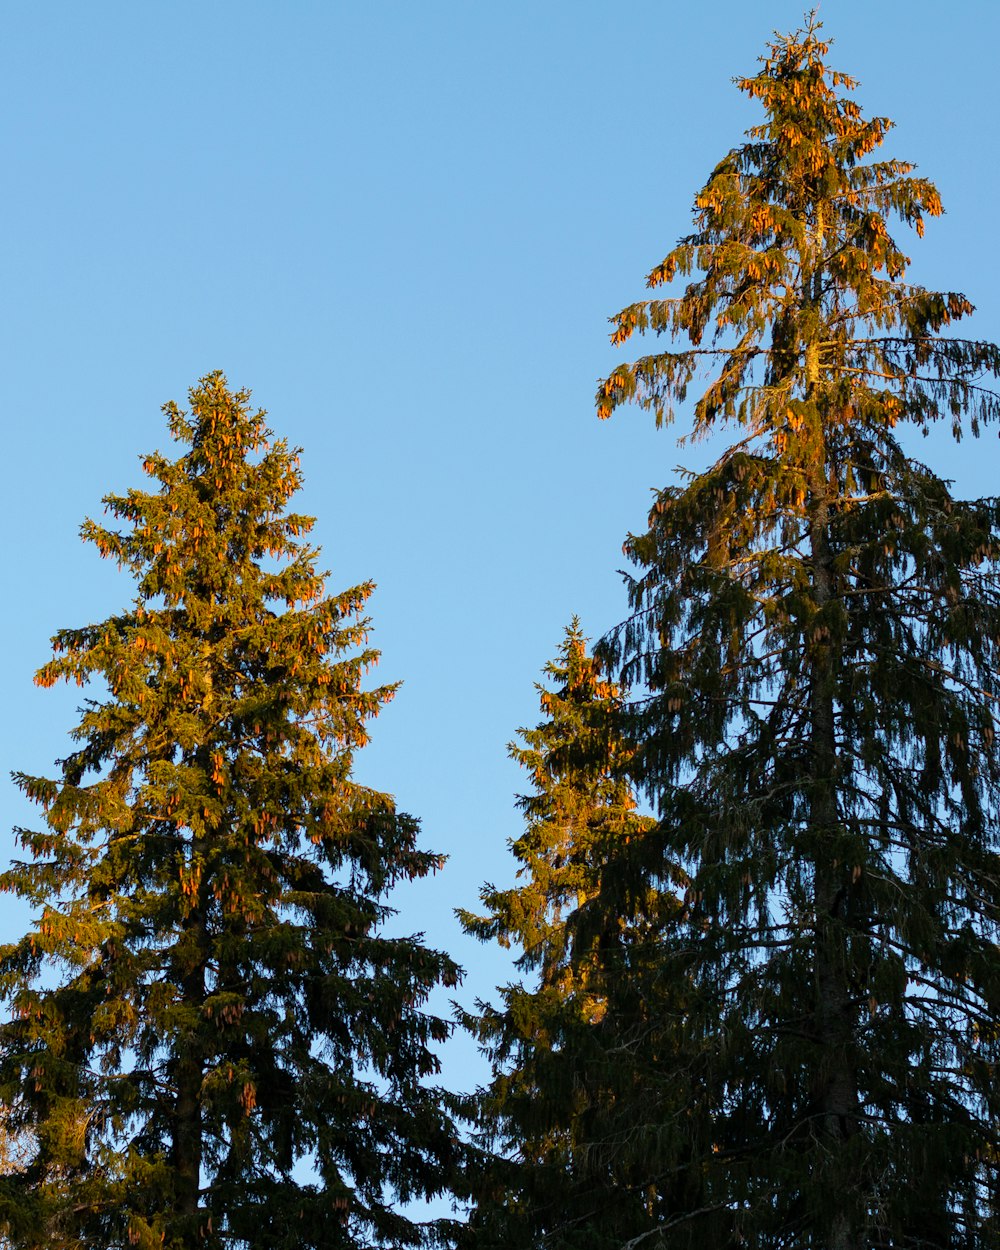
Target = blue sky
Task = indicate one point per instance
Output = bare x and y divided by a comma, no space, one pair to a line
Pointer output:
404,227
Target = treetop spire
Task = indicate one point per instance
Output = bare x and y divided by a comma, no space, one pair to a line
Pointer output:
797,283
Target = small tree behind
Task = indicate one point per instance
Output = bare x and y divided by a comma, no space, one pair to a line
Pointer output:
587,1084
222,1011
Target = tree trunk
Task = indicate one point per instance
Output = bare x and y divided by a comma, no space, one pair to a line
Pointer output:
837,1090
838,1103
189,1067
187,1134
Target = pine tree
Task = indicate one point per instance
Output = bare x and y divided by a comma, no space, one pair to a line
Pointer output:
211,1042
813,633
585,1073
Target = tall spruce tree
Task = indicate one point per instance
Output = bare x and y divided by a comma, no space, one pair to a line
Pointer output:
570,1132
211,1043
813,649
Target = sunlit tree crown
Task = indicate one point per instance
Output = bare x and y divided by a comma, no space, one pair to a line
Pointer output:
206,1010
799,282
813,650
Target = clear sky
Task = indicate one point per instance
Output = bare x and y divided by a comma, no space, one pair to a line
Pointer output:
403,226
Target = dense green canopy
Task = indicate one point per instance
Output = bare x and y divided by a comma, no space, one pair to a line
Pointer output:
211,1042
766,1015
813,648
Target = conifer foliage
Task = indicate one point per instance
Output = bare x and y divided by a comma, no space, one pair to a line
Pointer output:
815,621
211,1043
566,1129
